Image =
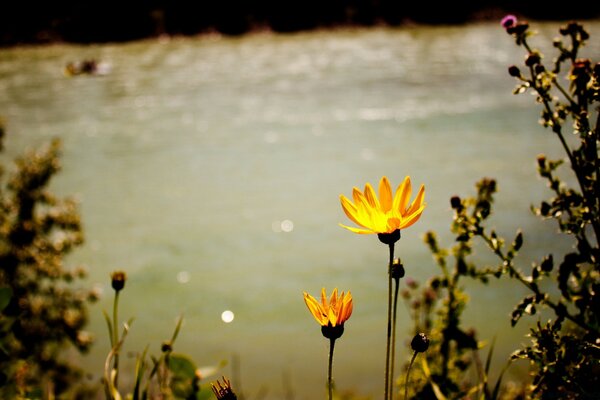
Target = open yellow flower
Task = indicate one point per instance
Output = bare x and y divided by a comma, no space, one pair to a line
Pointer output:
333,314
386,214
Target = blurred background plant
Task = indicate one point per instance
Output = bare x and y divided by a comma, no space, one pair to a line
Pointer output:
563,350
167,376
43,308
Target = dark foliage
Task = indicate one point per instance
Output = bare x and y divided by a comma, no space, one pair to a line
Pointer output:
110,21
43,312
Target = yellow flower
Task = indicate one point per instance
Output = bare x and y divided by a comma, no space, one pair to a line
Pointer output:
386,214
333,314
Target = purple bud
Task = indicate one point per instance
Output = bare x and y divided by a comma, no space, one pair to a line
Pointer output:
508,21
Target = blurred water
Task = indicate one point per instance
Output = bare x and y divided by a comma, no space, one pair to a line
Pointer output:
210,170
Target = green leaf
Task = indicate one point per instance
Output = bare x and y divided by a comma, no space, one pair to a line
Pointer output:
518,241
205,393
5,296
522,307
177,328
110,329
184,380
140,370
182,365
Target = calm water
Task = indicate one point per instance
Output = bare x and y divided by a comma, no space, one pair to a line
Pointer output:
210,169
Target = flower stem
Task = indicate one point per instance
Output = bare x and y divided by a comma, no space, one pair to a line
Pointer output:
330,369
388,361
394,314
412,360
116,336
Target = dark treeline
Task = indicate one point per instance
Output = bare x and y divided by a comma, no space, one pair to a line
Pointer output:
114,21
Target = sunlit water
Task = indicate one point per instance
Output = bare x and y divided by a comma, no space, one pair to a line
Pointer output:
210,170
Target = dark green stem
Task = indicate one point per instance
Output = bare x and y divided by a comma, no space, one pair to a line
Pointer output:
330,369
116,337
412,360
394,314
388,361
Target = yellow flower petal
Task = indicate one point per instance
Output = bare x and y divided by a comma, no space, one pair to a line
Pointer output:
402,196
385,194
357,230
350,210
418,201
315,308
324,300
346,309
371,197
411,219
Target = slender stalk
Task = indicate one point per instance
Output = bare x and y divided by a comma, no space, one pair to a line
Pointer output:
116,336
394,314
330,369
412,360
388,360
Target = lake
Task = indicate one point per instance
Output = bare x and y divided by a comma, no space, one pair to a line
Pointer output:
209,169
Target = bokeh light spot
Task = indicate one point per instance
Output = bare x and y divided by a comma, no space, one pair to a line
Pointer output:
287,225
183,277
227,316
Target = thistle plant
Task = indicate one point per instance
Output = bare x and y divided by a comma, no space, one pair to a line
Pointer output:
563,351
386,216
437,308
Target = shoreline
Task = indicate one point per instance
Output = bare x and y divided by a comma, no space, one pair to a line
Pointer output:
87,28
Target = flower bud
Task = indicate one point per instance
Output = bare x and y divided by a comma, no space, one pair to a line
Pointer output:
547,263
118,279
420,343
167,346
545,209
532,59
539,68
541,160
455,203
508,21
397,269
513,70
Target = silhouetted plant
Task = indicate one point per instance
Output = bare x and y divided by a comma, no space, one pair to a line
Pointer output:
564,352
44,312
437,308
